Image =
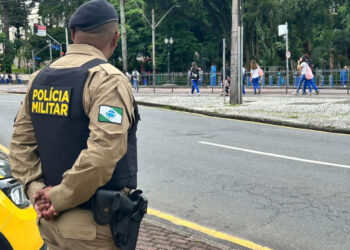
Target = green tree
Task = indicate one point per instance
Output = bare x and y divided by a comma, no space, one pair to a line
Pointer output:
14,13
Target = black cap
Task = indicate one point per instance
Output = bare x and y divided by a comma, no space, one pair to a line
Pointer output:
93,14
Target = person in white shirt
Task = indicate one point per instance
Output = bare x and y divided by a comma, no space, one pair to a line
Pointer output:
127,74
135,77
303,66
254,76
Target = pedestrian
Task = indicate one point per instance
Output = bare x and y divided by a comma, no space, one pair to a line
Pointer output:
343,76
243,79
200,76
227,80
144,77
9,79
255,76
304,67
194,78
135,78
149,76
128,75
19,78
76,126
312,81
189,82
6,77
213,75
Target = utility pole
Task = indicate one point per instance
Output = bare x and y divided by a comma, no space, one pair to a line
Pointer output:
33,61
240,52
234,97
154,50
124,45
154,26
223,67
50,44
67,42
283,31
287,58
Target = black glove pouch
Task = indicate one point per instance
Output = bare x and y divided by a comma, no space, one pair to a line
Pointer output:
123,213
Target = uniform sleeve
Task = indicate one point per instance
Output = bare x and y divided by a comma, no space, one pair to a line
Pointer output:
24,157
107,143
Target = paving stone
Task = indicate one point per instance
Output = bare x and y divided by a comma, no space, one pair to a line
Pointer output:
159,238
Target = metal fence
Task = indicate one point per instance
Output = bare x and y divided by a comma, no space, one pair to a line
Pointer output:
271,79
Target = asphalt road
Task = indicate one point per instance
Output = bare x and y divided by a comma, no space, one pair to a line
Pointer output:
9,106
278,187
276,202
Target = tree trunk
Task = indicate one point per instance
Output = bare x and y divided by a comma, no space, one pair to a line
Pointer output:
309,47
257,48
331,60
247,56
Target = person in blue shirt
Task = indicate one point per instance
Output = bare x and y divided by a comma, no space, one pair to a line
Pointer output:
213,75
244,76
343,76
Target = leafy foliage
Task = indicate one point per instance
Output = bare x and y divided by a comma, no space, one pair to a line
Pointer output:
318,27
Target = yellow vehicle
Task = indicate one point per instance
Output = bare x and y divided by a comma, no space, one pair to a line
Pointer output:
18,229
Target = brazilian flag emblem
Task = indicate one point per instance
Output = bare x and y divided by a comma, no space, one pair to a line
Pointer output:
110,114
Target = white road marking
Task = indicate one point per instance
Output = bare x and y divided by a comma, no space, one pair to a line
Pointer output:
276,155
10,101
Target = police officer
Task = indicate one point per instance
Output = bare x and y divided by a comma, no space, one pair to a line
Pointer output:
75,133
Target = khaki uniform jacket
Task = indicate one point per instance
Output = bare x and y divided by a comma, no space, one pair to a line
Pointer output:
107,142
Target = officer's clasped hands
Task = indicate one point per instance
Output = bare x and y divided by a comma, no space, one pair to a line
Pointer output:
43,205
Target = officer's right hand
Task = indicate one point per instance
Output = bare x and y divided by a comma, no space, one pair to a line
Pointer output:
40,206
50,213
43,205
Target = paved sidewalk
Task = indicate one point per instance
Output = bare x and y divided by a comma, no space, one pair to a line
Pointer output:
153,236
328,111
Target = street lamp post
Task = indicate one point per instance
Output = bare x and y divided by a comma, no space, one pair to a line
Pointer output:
154,26
169,42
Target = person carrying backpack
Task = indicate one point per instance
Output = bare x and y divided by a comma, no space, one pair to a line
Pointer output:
194,75
312,81
306,75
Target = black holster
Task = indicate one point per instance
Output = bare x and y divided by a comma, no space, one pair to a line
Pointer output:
123,213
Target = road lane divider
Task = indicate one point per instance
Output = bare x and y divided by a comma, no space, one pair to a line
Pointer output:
4,149
205,230
276,155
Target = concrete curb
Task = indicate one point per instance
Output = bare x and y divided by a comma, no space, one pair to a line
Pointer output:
251,119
